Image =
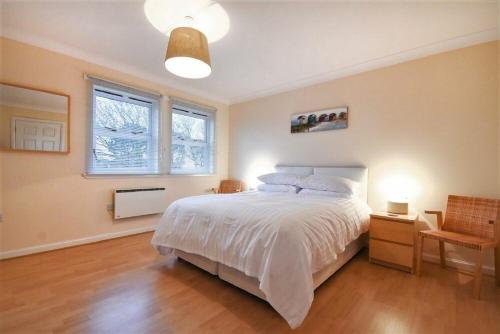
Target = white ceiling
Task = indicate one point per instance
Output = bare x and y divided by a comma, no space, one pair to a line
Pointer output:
271,46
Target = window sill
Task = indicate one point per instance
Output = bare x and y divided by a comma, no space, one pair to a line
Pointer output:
193,173
135,176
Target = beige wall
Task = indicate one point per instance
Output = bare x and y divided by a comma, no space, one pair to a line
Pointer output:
432,123
8,112
45,198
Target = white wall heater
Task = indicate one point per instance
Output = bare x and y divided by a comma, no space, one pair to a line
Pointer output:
138,202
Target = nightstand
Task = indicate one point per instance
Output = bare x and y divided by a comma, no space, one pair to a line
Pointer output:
392,240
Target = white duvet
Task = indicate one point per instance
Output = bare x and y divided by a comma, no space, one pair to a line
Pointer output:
279,238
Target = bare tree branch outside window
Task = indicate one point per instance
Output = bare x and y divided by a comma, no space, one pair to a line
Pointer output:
122,141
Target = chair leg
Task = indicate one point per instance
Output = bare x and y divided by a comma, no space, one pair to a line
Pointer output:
420,250
497,265
442,258
477,276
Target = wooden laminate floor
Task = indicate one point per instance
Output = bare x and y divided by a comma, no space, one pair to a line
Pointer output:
123,286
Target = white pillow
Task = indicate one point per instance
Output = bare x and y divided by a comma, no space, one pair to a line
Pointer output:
329,183
282,188
281,178
312,192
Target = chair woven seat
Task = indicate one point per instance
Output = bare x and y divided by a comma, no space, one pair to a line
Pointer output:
230,186
464,240
471,222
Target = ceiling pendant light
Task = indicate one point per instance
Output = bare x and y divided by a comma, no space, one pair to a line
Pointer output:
191,25
187,54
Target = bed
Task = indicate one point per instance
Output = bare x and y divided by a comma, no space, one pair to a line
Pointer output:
277,246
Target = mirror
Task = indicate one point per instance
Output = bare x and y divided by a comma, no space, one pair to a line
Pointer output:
33,120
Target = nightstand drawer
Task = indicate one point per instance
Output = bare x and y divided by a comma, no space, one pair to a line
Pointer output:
392,231
391,253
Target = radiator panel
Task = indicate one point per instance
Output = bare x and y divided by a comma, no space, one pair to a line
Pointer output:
138,202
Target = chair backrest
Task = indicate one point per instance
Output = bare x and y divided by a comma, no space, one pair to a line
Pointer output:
472,215
230,186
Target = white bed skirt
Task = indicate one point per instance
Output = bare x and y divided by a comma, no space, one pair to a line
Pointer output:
251,284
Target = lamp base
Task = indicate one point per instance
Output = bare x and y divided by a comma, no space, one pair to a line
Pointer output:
400,208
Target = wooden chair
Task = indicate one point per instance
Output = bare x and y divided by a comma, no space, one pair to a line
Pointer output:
470,222
229,187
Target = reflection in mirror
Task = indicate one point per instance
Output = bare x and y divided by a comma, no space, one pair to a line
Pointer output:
33,120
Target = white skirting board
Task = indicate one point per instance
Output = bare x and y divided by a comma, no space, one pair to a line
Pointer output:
459,264
74,242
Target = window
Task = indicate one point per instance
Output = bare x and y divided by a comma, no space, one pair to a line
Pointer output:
192,139
124,132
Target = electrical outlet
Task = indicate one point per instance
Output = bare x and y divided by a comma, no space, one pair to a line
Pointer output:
109,207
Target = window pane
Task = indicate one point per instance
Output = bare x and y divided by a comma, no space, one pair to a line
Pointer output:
125,133
121,116
112,153
186,127
190,158
192,141
197,156
178,156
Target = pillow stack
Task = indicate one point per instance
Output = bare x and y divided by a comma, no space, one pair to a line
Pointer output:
279,182
318,185
328,185
312,192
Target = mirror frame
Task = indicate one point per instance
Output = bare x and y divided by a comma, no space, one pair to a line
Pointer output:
68,127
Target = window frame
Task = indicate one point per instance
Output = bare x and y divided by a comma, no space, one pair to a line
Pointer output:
129,95
195,111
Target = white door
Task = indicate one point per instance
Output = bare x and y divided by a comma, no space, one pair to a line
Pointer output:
32,134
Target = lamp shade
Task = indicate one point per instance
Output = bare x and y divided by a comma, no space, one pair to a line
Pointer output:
187,54
400,208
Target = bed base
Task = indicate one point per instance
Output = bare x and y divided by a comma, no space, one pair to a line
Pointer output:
251,284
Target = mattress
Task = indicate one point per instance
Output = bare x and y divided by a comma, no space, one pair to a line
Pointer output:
266,236
201,262
251,284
